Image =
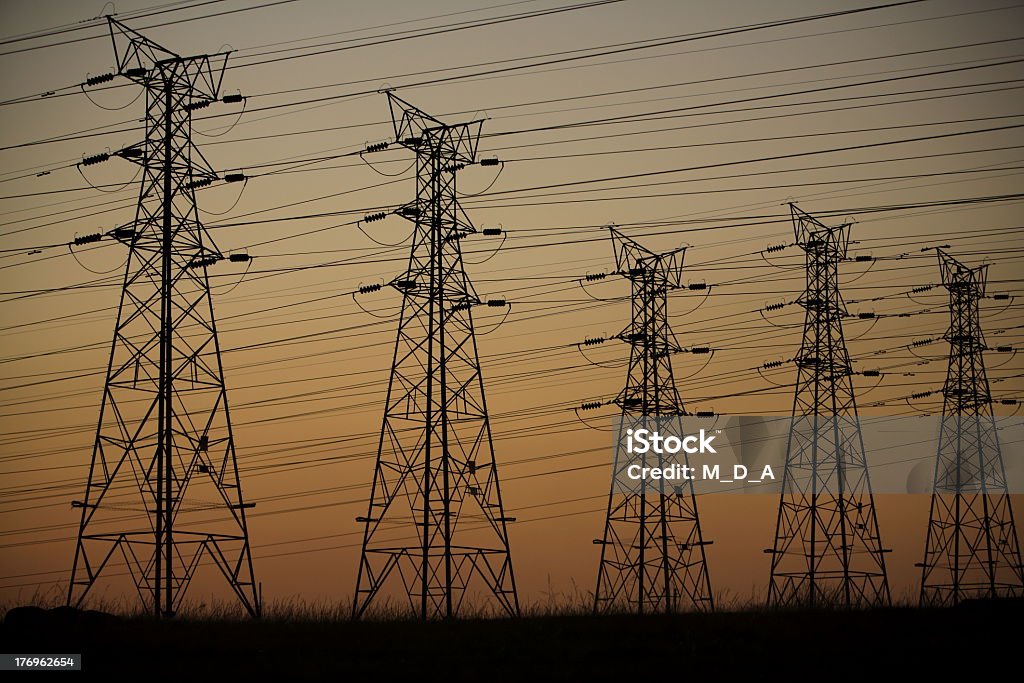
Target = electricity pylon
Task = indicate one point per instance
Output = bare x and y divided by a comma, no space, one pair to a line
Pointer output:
163,492
652,551
827,550
436,475
971,550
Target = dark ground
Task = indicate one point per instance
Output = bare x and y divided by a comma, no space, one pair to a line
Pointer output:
975,639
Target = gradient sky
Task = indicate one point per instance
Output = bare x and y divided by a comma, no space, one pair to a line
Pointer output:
307,415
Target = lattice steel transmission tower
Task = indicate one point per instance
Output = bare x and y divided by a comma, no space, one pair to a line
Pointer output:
827,550
971,550
436,475
163,494
652,551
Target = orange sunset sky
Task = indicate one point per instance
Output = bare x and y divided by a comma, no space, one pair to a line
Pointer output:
660,116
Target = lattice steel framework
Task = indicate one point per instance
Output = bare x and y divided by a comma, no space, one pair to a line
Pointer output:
827,549
436,475
163,492
652,551
971,550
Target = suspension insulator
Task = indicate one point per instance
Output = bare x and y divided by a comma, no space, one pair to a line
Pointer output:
593,341
86,239
592,277
96,80
367,289
377,147
374,217
95,159
774,248
203,261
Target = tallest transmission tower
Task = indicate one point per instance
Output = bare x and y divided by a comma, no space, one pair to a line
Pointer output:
163,495
971,550
436,476
827,549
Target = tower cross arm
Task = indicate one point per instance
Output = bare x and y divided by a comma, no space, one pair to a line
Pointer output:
414,127
637,261
812,234
134,50
956,274
135,55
